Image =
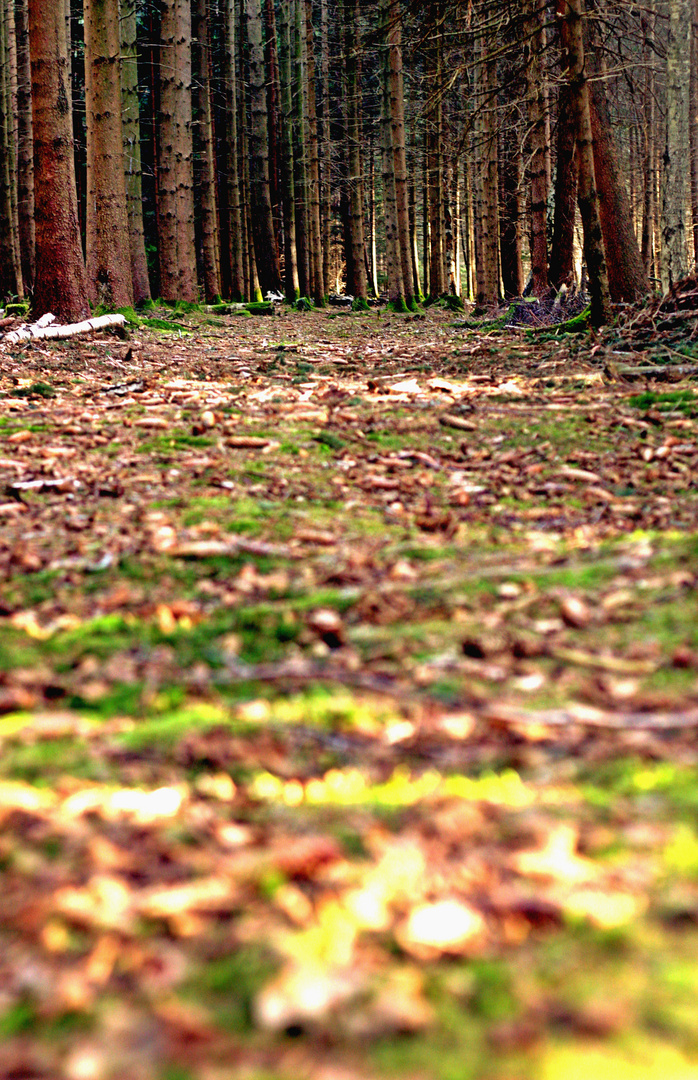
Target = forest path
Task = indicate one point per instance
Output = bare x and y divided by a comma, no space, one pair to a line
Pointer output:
350,677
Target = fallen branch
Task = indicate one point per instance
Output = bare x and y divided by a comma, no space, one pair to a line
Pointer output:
43,328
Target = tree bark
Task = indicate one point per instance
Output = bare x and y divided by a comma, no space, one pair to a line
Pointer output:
131,133
354,188
594,253
537,116
561,270
234,216
177,243
396,101
205,173
674,183
25,151
627,280
317,290
61,284
287,182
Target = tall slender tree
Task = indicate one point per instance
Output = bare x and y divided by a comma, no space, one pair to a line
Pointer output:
131,131
176,235
61,284
262,220
107,234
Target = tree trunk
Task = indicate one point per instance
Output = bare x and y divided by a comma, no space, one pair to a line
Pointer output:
131,133
356,246
627,280
674,185
10,266
396,100
594,253
315,246
300,149
537,116
234,207
693,128
25,150
561,270
649,155
287,181
177,242
435,158
271,60
393,262
324,135
106,221
61,285
262,220
205,155
510,215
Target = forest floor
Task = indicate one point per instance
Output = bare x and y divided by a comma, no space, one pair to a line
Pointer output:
349,695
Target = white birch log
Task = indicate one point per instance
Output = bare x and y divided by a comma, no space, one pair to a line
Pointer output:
43,328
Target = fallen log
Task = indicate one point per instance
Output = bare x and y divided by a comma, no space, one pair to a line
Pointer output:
43,328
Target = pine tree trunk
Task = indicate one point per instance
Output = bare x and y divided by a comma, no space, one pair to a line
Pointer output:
594,254
649,172
561,270
10,267
176,234
25,151
396,93
300,149
271,60
435,161
61,285
674,184
287,183
510,215
234,216
539,169
315,246
325,147
131,133
106,220
356,246
205,173
393,261
627,280
694,130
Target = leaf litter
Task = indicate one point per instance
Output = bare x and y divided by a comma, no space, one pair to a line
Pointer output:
349,694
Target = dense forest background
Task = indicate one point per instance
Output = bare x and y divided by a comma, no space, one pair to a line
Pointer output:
226,148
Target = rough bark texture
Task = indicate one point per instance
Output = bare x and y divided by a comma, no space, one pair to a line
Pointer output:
693,129
627,280
25,151
396,96
486,190
434,153
205,172
300,149
538,145
177,249
60,285
234,215
510,171
131,133
325,146
594,254
561,270
674,183
354,188
393,263
287,185
106,218
317,290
